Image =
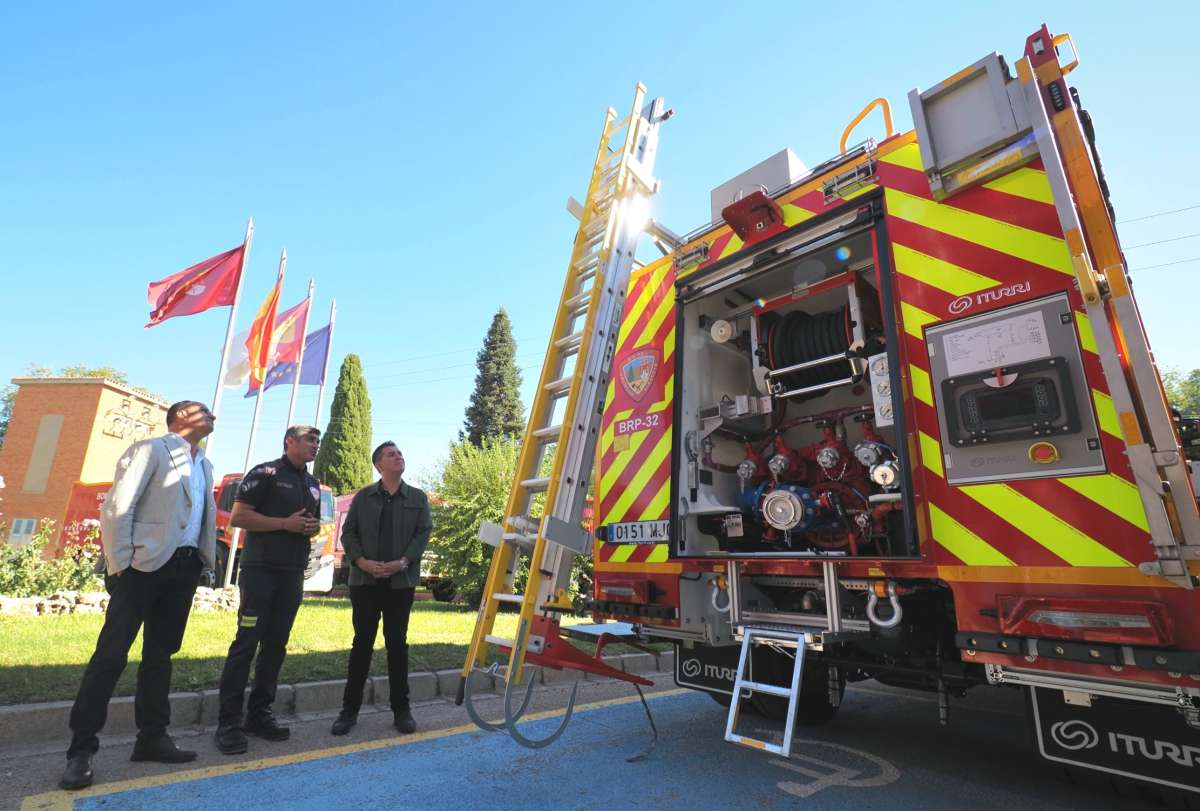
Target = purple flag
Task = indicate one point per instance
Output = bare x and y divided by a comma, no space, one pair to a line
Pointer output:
316,347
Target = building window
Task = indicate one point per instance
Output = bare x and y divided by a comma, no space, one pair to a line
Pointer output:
22,531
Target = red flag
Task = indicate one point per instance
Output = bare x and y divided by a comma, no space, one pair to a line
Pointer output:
212,283
285,340
261,337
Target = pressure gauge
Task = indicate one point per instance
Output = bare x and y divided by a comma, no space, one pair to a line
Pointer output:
868,453
778,463
879,366
746,469
885,474
828,458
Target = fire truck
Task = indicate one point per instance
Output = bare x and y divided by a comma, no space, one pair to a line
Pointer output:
893,417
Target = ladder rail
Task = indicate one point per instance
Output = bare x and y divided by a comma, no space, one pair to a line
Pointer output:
741,684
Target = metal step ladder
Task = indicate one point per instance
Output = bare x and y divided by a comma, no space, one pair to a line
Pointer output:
544,512
742,684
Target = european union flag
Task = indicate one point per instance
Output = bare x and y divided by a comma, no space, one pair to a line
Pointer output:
316,348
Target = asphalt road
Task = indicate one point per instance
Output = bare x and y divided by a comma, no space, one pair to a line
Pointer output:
884,750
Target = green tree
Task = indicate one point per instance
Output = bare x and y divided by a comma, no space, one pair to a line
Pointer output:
471,487
9,395
344,459
1183,391
495,408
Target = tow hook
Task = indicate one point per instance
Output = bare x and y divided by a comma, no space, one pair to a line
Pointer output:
873,601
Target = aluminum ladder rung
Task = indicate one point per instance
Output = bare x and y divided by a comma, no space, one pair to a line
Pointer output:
498,641
579,303
516,599
536,485
561,386
570,342
549,432
741,684
518,539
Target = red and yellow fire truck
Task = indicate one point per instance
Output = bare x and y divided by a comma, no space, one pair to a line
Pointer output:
894,417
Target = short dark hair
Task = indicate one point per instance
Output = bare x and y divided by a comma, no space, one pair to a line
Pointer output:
297,431
375,454
175,408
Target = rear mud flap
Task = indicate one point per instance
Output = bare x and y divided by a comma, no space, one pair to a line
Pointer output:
708,668
1131,739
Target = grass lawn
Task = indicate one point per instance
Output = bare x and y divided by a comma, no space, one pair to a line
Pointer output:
42,658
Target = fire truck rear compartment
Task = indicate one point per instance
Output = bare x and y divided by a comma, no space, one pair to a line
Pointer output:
786,443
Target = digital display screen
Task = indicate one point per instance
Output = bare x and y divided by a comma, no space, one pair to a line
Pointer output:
1007,404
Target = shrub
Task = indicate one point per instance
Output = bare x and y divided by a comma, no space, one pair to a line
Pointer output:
25,572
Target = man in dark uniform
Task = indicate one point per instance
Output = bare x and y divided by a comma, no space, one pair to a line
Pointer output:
278,504
385,533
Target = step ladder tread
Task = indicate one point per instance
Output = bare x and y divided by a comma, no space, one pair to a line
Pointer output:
772,689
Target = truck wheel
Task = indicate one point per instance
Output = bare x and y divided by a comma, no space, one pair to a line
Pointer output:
813,706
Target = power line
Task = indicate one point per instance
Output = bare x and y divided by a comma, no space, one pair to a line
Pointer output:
1160,242
1159,214
432,355
1167,264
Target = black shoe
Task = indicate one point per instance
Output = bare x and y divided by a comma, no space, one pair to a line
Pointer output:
161,750
405,722
231,740
78,774
268,728
344,724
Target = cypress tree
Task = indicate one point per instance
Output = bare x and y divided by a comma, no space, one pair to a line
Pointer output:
344,459
495,409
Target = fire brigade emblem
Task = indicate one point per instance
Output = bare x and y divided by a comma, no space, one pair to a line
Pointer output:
638,373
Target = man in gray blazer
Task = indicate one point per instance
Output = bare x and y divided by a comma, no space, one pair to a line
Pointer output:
158,531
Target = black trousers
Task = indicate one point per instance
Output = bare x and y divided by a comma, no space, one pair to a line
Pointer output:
369,603
270,600
161,601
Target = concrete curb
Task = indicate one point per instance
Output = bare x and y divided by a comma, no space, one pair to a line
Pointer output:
24,725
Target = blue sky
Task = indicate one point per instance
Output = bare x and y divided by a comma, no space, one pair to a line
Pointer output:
416,163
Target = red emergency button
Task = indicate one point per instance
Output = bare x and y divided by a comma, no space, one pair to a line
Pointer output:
1043,453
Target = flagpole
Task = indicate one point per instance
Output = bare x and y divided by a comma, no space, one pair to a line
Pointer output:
258,399
237,295
325,373
300,357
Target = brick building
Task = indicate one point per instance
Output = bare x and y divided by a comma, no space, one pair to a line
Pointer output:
63,431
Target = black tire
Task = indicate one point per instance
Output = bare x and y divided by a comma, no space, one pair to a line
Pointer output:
444,591
813,707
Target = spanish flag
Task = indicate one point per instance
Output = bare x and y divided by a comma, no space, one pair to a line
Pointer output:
260,341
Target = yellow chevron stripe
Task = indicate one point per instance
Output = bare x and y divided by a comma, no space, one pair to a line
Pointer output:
659,555
919,379
1106,413
731,247
1087,338
657,508
622,460
1023,243
635,309
660,452
1068,542
606,439
622,553
943,275
1024,182
931,454
665,308
914,318
859,192
794,214
908,156
1114,494
962,542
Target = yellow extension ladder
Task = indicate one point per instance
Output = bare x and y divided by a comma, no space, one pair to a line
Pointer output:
544,512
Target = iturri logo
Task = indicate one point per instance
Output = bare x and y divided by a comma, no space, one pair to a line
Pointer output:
961,304
1074,735
691,668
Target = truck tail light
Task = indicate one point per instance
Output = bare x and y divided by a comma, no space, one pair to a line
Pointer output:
1129,622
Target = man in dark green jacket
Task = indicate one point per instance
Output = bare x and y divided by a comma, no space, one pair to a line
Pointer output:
384,535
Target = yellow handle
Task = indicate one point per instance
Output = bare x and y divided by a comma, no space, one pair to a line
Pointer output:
1074,63
887,120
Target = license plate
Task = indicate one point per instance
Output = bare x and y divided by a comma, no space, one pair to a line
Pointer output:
640,532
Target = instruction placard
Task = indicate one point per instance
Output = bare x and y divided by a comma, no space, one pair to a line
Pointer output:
1003,342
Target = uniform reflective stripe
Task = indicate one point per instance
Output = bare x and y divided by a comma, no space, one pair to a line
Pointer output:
1106,413
962,542
939,273
634,486
1068,542
659,554
1032,246
1114,494
919,379
657,508
914,318
908,156
1087,339
931,454
1024,182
